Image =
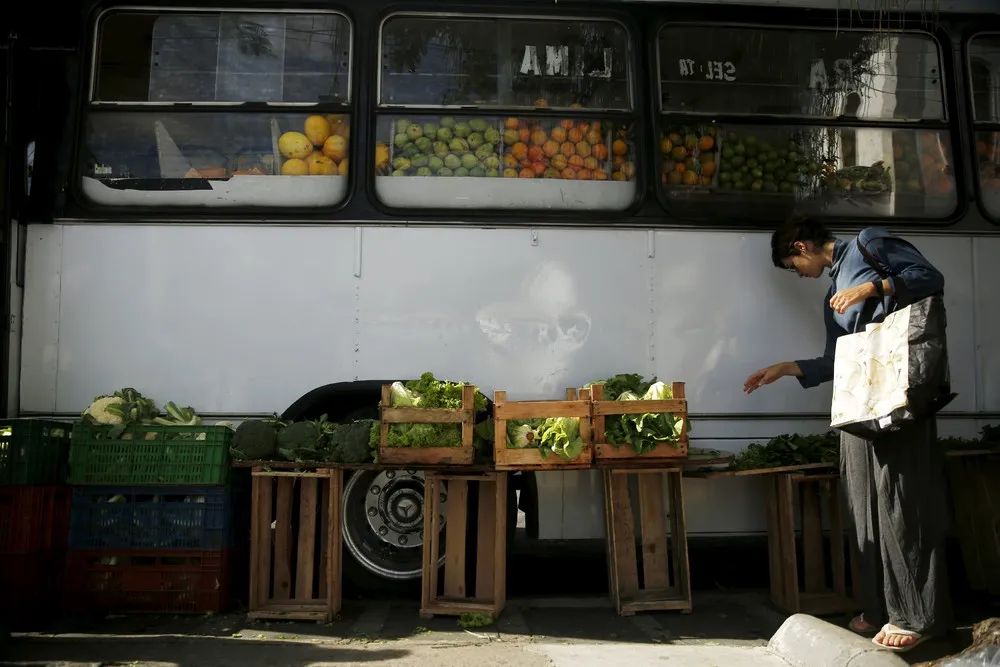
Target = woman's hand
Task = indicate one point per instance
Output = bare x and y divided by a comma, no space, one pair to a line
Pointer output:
846,298
766,376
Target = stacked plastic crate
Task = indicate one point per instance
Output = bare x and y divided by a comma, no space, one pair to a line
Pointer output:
34,519
150,521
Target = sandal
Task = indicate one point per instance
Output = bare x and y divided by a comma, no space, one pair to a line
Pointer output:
859,625
890,629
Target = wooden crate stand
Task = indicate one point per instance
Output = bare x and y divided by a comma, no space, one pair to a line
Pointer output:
300,578
461,455
793,493
666,453
666,577
450,597
577,404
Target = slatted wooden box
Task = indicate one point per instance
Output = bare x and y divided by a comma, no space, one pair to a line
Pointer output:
663,454
461,455
577,404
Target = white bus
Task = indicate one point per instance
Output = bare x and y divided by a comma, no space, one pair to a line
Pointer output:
271,207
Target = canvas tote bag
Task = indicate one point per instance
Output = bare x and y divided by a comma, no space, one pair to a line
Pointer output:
896,371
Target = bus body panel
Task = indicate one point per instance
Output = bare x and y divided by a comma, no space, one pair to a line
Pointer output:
246,319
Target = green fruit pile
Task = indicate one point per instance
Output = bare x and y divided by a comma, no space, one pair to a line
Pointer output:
448,148
751,165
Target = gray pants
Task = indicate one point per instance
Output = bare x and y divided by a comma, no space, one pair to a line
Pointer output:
898,506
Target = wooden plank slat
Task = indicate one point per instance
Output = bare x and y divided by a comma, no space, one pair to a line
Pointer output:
777,577
678,537
283,540
334,554
454,534
485,541
623,536
306,547
812,539
425,416
786,537
837,562
653,533
610,408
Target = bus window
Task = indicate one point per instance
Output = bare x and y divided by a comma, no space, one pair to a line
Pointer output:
793,118
984,70
471,108
218,109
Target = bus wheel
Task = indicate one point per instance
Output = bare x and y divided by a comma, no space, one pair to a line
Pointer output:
383,524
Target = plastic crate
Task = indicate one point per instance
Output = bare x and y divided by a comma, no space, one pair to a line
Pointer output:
33,518
151,517
147,581
150,456
32,586
33,451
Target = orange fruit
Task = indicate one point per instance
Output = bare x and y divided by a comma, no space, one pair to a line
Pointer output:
538,137
594,137
536,154
583,175
519,151
511,123
600,151
538,168
510,173
599,175
706,143
666,146
708,168
509,161
558,134
335,147
619,147
567,149
690,178
511,136
569,174
524,134
583,149
590,162
550,147
679,153
560,161
566,124
526,173
576,162
541,102
575,135
674,178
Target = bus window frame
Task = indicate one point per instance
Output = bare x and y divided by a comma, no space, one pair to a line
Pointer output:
976,126
88,105
948,125
634,115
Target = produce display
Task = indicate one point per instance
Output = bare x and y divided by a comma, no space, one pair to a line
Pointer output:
128,407
790,450
429,392
555,435
778,161
567,149
642,432
320,149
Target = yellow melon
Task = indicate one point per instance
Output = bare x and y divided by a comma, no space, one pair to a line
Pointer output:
335,148
294,167
317,129
342,167
294,145
381,155
320,165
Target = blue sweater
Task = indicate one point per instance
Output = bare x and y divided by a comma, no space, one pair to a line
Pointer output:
914,275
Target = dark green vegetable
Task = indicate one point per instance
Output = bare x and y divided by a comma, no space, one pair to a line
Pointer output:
254,440
790,450
348,443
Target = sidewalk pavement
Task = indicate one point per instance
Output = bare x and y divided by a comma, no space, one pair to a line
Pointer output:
725,630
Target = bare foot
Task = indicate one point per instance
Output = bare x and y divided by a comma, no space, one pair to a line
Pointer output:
860,625
894,637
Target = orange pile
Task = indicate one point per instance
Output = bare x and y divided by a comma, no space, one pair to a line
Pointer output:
565,149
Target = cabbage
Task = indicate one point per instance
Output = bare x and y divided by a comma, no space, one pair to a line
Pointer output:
643,432
521,436
401,397
558,435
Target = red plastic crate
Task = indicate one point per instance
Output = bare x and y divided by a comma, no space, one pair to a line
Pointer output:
34,518
176,581
32,587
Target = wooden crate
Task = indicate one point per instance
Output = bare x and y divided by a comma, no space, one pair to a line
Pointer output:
666,454
451,596
810,498
666,577
975,499
461,455
300,578
577,404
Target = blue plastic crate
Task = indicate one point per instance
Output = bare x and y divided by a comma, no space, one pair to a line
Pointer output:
150,517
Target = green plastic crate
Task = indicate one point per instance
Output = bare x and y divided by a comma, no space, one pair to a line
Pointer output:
150,455
33,452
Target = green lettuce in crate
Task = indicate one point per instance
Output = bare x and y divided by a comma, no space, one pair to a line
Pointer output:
643,432
428,392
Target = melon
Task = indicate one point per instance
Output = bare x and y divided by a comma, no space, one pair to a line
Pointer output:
317,130
320,165
294,167
294,145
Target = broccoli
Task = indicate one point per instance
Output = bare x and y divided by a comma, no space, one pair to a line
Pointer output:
254,440
348,443
300,441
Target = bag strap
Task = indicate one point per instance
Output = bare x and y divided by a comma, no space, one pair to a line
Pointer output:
883,271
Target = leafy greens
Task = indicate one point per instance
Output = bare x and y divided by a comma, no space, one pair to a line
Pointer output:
644,431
